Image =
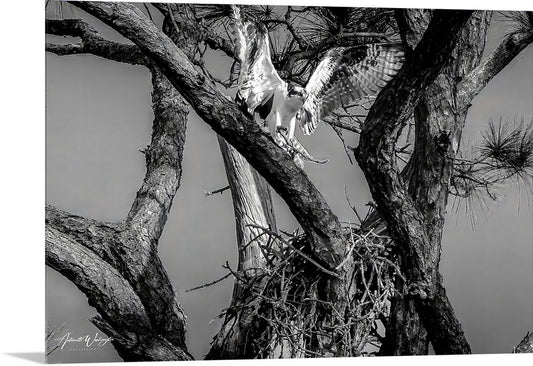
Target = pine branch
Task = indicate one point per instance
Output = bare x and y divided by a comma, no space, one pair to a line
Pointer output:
505,153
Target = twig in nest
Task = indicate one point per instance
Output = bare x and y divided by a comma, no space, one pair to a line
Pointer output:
348,254
302,254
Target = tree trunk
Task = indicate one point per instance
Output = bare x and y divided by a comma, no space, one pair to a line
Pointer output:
376,156
243,328
438,125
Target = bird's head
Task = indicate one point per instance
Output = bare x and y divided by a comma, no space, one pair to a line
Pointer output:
295,91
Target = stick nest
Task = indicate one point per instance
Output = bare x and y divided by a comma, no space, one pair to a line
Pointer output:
287,307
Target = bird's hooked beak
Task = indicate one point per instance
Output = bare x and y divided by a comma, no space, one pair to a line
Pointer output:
297,91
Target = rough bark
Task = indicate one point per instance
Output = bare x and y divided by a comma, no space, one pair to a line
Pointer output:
106,289
525,345
91,43
122,313
376,156
405,333
95,235
507,50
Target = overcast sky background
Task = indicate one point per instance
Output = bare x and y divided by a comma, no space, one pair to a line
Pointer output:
98,117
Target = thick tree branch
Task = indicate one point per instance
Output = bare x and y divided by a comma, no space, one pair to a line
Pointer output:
98,250
439,319
406,222
164,158
304,200
104,286
478,78
438,125
93,234
147,217
141,344
375,154
92,43
70,27
122,314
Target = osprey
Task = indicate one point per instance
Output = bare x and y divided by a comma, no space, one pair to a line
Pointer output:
344,75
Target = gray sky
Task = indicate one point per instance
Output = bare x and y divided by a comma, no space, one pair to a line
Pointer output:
98,116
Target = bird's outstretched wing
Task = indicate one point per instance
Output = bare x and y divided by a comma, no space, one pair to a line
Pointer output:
346,74
258,79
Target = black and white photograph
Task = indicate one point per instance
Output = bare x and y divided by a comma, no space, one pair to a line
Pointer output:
244,181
